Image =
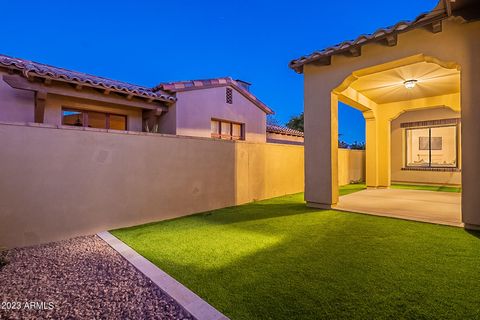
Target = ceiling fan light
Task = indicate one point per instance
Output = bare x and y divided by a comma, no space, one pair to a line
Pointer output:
410,84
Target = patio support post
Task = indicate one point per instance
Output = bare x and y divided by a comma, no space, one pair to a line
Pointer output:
377,134
371,175
321,146
470,97
383,149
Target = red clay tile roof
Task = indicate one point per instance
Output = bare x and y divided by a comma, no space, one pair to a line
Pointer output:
30,68
211,83
284,130
437,14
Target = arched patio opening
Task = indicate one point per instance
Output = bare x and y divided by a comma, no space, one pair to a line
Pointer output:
383,93
412,128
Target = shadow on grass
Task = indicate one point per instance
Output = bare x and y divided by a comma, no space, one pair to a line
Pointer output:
254,212
265,209
259,210
271,208
474,233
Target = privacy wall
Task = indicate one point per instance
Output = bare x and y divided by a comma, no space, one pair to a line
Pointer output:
351,166
57,183
61,182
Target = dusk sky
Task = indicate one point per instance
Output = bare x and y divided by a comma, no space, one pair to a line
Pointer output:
147,42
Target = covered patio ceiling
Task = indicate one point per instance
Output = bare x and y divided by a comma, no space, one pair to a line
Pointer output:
385,84
388,85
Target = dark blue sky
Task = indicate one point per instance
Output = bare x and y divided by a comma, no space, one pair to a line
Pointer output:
146,42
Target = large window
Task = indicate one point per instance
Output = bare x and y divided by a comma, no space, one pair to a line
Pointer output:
227,130
432,147
93,119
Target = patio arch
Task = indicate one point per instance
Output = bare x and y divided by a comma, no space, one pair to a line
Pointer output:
379,111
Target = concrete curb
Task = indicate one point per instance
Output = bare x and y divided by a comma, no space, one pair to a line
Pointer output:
192,303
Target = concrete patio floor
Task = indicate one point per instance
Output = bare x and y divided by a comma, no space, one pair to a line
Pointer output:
419,205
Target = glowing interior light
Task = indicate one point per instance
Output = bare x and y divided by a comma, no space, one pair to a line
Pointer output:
410,84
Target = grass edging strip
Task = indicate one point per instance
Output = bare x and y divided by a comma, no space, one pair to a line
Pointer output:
191,302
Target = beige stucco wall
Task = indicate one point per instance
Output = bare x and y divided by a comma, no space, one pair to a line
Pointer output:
351,166
58,183
398,147
458,42
265,170
194,109
15,105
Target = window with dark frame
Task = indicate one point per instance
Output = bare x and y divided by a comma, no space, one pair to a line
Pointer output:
93,119
229,95
227,130
431,147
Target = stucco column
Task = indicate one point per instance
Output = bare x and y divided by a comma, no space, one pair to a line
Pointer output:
371,175
384,153
321,146
470,99
377,136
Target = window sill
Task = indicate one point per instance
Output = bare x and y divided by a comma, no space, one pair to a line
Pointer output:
445,169
224,137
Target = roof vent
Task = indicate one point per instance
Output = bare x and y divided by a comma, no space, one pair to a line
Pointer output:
229,96
244,84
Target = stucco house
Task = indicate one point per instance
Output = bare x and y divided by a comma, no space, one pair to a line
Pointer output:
220,108
416,84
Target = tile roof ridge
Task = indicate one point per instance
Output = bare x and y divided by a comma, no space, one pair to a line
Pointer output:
273,128
29,68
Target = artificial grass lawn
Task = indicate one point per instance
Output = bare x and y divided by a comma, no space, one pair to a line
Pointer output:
278,259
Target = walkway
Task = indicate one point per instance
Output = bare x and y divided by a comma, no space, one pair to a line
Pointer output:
418,205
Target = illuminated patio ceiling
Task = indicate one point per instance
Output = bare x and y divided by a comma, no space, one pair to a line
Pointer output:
388,86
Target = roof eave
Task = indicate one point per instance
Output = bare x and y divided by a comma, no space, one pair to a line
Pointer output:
163,98
18,66
353,48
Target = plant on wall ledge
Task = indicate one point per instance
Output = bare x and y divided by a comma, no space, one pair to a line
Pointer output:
153,129
342,144
357,146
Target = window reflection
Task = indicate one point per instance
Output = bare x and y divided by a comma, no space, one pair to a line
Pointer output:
431,147
93,119
226,130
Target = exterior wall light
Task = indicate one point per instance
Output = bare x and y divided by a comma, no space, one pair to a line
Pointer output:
410,84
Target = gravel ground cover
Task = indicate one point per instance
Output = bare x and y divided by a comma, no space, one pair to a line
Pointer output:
80,278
